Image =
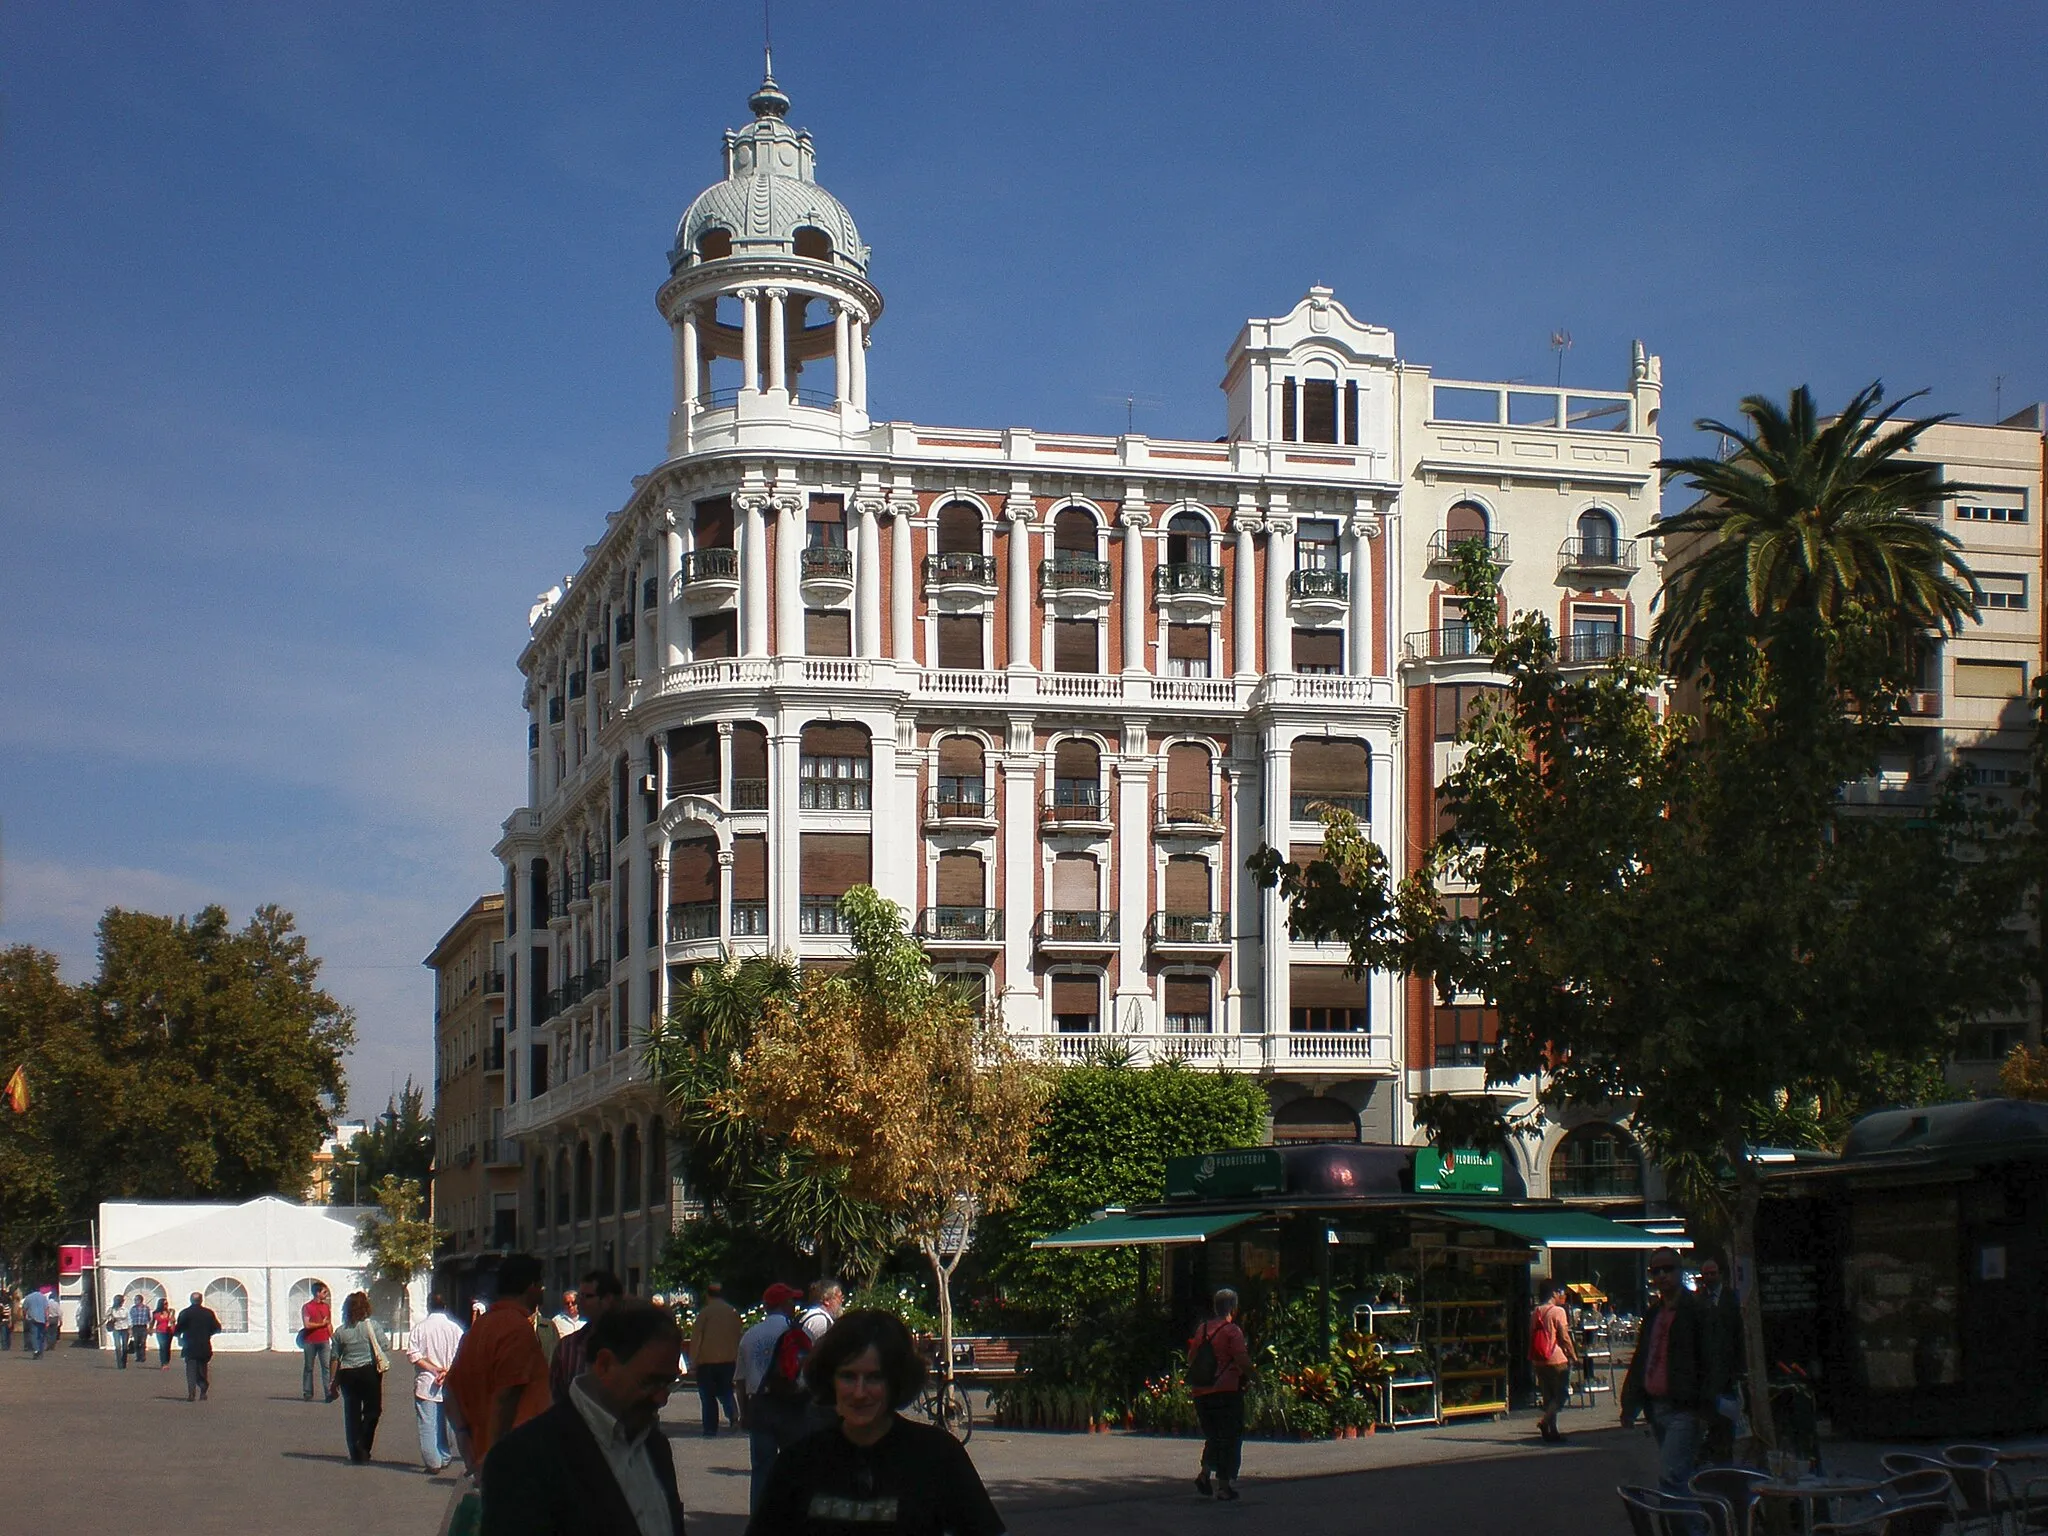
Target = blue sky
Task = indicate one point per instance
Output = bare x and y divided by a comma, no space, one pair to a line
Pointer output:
327,335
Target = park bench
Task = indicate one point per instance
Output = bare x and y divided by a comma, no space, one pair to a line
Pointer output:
985,1357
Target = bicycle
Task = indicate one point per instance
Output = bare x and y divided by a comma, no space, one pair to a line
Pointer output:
944,1404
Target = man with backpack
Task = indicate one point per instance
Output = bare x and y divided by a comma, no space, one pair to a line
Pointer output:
774,1403
1218,1363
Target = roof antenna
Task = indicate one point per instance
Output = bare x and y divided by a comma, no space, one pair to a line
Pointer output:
1998,397
768,38
1560,343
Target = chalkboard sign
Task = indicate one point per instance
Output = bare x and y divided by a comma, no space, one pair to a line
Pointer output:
1790,1286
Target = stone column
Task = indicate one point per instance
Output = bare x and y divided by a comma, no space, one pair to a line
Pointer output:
778,340
1279,565
789,596
857,350
1135,518
688,362
668,601
750,340
842,365
1244,604
867,577
1273,920
902,639
1364,528
754,582
1019,509
1018,765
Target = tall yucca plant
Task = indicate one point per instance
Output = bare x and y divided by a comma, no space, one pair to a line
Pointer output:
1807,526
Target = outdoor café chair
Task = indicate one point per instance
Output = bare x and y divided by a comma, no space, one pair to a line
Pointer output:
1927,1518
1651,1513
1734,1488
1981,1483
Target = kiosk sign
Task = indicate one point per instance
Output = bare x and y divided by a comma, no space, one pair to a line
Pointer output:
1226,1175
1461,1171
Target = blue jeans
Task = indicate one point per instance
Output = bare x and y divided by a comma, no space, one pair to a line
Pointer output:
1678,1445
121,1348
433,1417
714,1390
763,1445
35,1338
314,1377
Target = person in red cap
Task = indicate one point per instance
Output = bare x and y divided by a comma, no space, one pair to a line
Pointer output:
771,1407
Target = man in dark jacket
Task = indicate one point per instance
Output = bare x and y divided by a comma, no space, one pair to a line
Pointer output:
195,1329
1675,1373
1724,1310
597,1463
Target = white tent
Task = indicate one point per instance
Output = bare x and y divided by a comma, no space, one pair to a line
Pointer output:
254,1264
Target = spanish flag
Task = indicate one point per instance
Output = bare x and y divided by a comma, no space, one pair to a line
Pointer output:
17,1090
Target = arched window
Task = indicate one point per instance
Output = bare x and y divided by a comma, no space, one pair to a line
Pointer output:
607,1175
1073,532
813,244
228,1300
1076,780
1189,796
833,767
1333,772
961,886
1596,1160
962,785
632,1178
714,244
151,1289
1598,539
583,1181
959,528
1076,1002
562,1188
657,1163
1187,539
1466,520
297,1296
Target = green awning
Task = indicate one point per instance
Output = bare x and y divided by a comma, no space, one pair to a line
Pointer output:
1117,1230
1565,1229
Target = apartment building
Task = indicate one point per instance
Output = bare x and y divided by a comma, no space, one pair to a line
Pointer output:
476,1164
1047,691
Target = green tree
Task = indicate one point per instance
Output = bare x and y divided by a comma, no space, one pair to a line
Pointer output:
396,1240
1104,1140
42,1032
400,1141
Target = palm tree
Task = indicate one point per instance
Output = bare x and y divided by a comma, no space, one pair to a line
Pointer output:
1808,526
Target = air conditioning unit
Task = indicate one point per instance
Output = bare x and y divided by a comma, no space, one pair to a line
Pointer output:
1923,704
649,784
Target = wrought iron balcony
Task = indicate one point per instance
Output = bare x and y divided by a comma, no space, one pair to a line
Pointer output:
1206,930
1183,810
701,565
1590,648
1187,580
749,795
969,801
650,591
494,983
1073,801
1073,573
830,561
960,925
960,569
1323,585
1443,546
622,629
1068,928
556,710
1450,643
576,685
1307,805
600,656
1598,554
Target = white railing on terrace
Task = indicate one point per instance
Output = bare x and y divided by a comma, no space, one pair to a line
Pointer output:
1242,1053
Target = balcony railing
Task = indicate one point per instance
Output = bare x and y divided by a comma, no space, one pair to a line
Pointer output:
1207,929
1330,586
819,916
596,977
1196,810
959,569
1590,649
1306,806
1073,573
710,565
1059,926
500,1152
749,795
650,591
576,685
1443,546
750,919
692,920
969,802
826,560
960,925
556,709
1581,554
1188,580
1446,644
1073,802
494,983
622,629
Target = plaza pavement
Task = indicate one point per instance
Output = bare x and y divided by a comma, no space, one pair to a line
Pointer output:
94,1451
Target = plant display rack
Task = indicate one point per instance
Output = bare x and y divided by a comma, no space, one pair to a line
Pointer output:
1470,1339
1409,1396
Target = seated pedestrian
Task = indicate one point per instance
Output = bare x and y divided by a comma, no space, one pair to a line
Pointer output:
361,1357
873,1470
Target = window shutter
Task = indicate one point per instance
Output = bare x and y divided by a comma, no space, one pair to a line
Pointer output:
750,868
693,760
693,871
749,751
1323,986
1187,883
827,509
1991,679
1188,995
1301,855
1329,767
1073,532
1467,520
833,863
1074,886
1316,649
1187,642
825,738
959,528
960,757
1076,994
960,881
1187,772
714,523
1073,645
828,632
714,637
959,637
1075,759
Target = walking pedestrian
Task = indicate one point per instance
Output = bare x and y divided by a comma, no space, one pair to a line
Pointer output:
163,1324
874,1470
7,1321
499,1378
1671,1377
361,1357
714,1351
138,1326
827,1301
117,1330
601,1291
1551,1355
35,1312
1218,1364
597,1463
773,1404
435,1339
195,1329
316,1340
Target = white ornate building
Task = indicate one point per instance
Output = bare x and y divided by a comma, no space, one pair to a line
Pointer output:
1047,691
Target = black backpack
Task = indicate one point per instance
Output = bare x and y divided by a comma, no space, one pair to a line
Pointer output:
1202,1362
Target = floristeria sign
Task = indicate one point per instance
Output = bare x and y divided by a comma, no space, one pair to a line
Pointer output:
1461,1171
1226,1175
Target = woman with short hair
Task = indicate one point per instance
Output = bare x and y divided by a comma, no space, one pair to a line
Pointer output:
873,1469
361,1357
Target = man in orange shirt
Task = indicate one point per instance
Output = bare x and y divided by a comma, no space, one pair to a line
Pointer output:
500,1377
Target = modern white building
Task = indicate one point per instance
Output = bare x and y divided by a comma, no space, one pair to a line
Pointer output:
1048,691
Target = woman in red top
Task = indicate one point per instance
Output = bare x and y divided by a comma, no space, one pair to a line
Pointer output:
1219,1395
1551,1353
